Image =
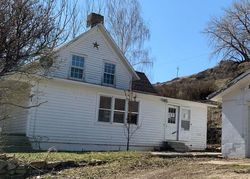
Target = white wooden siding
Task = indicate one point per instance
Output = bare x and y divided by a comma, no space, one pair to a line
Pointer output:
71,113
235,123
16,117
94,60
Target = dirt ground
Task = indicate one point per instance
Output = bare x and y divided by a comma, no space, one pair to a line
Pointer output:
188,168
210,169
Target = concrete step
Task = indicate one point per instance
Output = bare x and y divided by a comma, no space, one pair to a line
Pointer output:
175,146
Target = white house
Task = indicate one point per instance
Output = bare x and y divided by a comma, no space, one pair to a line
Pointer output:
84,106
235,98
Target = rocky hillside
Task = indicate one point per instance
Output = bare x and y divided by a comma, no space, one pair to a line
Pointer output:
198,86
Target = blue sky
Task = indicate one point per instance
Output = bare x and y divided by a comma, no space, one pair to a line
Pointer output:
176,35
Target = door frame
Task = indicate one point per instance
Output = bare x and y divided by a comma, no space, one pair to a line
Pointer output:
177,120
190,124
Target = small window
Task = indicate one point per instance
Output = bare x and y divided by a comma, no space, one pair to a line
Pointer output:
109,74
119,111
185,119
133,112
171,115
77,67
105,109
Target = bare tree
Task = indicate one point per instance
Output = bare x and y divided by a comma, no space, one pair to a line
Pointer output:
229,35
129,30
124,22
131,124
30,31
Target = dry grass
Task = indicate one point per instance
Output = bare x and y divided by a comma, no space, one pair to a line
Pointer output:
141,165
77,156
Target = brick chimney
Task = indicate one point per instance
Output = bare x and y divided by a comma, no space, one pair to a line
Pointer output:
93,19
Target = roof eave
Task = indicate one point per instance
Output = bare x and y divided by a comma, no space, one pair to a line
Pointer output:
118,50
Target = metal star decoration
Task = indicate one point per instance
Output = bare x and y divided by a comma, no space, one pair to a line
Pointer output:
96,45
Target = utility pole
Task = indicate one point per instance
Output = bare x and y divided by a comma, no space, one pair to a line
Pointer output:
177,73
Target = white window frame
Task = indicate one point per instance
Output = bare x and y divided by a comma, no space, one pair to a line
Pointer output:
190,116
111,110
107,84
138,113
170,122
78,67
123,111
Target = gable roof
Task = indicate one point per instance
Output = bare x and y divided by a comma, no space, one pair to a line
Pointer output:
219,93
143,85
111,41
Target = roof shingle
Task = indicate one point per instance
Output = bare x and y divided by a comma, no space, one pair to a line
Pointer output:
143,85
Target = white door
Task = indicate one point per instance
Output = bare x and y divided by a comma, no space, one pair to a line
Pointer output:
171,127
185,124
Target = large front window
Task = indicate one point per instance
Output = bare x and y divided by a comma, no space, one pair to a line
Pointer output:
116,110
109,74
77,67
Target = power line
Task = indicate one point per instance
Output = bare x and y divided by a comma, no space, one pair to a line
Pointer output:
184,60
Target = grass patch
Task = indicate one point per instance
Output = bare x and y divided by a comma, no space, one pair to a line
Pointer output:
117,163
120,164
78,156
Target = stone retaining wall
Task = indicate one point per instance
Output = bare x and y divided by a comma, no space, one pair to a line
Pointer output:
10,167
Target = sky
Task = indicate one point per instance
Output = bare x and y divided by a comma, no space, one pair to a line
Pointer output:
177,40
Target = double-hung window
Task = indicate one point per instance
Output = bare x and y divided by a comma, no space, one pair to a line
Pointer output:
109,74
116,110
77,67
119,110
105,109
133,112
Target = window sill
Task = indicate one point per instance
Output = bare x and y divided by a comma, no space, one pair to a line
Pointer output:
100,123
76,79
108,85
112,124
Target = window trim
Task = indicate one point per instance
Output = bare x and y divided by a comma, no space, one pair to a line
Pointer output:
111,110
190,117
122,111
176,115
135,113
82,68
103,72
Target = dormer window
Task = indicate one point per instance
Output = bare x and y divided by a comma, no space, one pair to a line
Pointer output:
77,67
109,74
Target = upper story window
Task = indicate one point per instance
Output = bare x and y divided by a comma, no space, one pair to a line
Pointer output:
109,74
77,67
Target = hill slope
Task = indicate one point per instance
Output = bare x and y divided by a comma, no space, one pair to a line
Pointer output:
198,86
